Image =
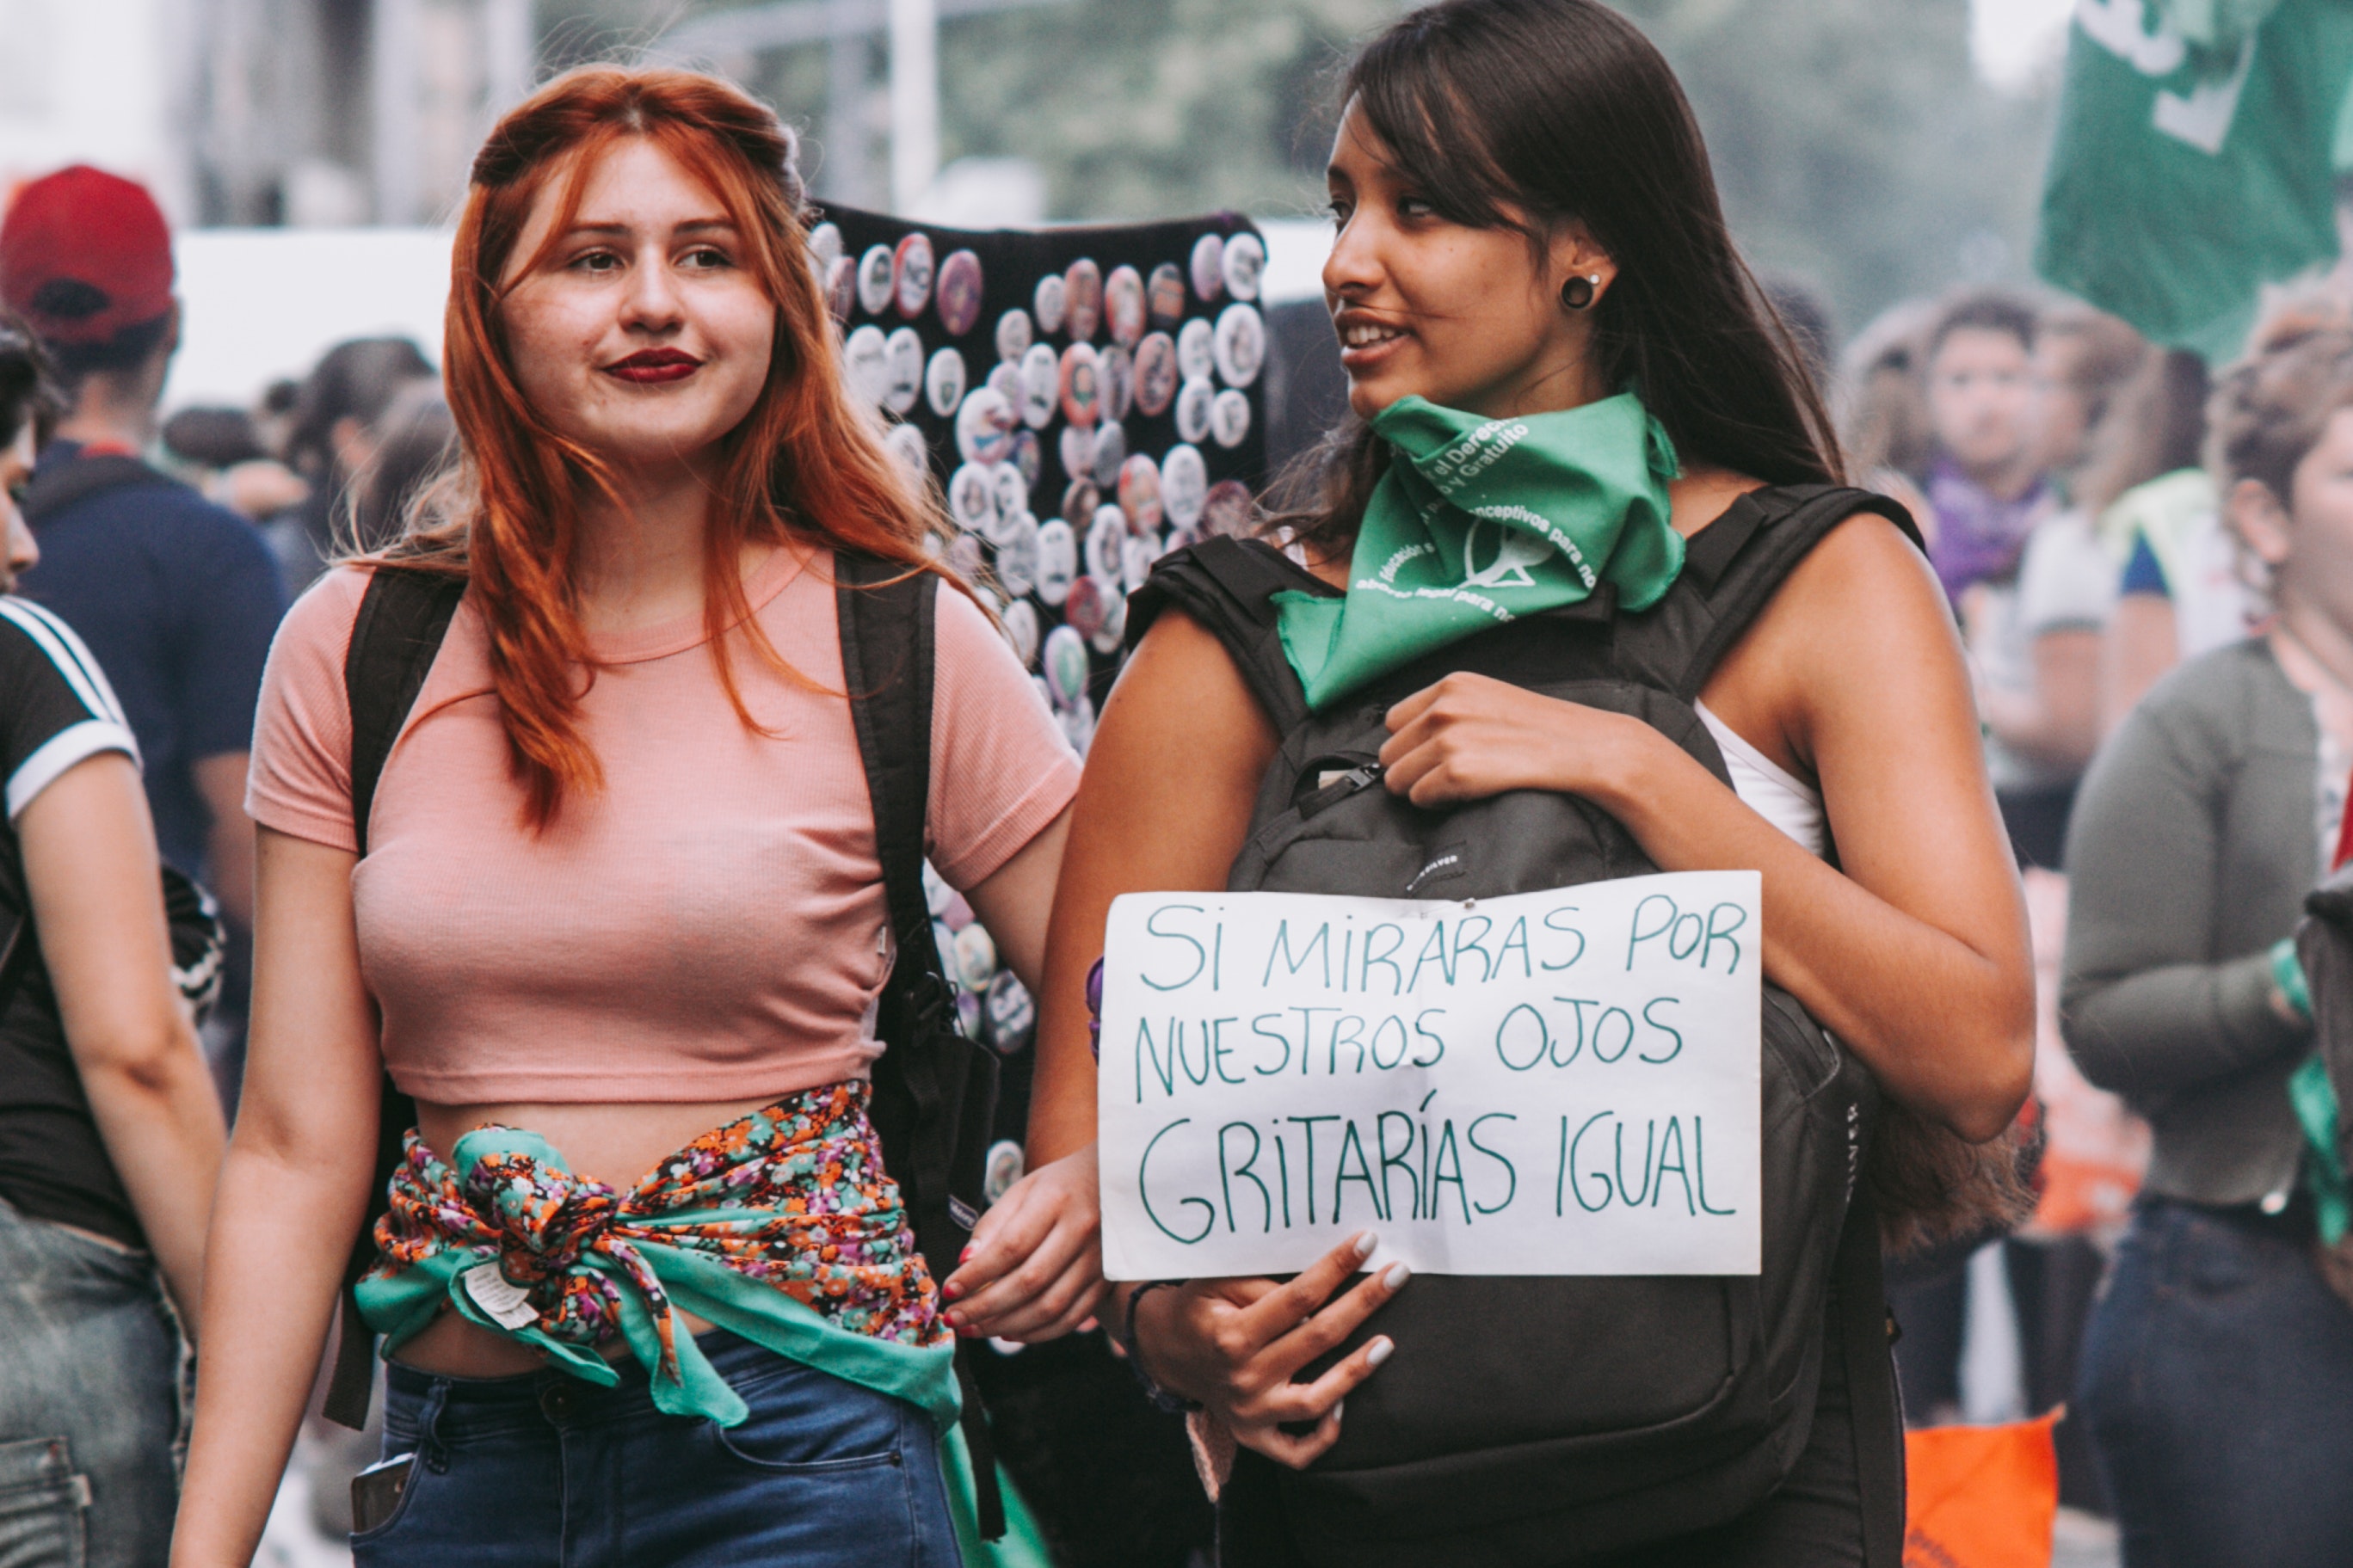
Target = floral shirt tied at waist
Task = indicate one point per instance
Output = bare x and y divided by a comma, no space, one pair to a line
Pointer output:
781,1227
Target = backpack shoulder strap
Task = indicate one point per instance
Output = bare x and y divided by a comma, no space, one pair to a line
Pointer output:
924,1102
887,654
61,485
403,618
1732,569
1228,587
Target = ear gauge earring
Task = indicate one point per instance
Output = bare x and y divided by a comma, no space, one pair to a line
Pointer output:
1579,293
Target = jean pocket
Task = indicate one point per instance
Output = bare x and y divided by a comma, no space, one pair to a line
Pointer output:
804,1419
44,1505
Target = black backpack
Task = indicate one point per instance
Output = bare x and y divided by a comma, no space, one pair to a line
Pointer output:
934,1090
1530,1420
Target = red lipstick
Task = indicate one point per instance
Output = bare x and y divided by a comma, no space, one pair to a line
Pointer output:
649,367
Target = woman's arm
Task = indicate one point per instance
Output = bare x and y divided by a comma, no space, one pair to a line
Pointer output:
292,1195
1913,950
2142,642
90,868
2146,1011
2058,723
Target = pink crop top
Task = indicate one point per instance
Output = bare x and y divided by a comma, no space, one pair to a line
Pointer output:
708,926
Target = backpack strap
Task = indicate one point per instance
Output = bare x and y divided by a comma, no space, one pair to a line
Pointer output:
1874,1406
402,620
1732,569
59,485
1228,587
935,1091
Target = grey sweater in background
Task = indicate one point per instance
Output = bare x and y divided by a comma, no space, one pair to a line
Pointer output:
2193,844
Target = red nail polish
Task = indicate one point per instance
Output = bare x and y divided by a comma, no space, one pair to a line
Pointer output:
952,1291
966,1256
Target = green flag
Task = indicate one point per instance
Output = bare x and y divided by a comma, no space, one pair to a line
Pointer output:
2194,159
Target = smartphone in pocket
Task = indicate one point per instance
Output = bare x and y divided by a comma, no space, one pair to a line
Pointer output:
375,1492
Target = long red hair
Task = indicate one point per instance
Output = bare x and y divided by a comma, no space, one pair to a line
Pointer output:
806,461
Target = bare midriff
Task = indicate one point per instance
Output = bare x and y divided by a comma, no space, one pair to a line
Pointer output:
614,1144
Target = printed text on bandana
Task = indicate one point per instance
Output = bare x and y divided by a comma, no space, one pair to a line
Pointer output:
1561,1082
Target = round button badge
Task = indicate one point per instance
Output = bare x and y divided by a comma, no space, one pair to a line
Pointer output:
1084,610
1107,546
841,288
1193,401
878,275
1077,447
824,247
1081,385
1064,661
1196,353
866,364
1081,498
1012,497
1042,386
1155,374
1208,264
1005,380
1016,569
905,443
902,370
1005,1164
1227,511
1082,287
1118,383
1240,345
1244,264
944,382
984,427
972,499
958,292
1048,302
1230,418
1058,561
913,263
1137,556
1108,637
1013,335
1110,451
1028,457
1164,295
1012,1017
1139,493
1183,485
1124,308
1077,721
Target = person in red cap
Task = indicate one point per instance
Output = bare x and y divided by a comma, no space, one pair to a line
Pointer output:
176,598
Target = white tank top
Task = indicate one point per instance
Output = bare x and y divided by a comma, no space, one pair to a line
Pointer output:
1770,790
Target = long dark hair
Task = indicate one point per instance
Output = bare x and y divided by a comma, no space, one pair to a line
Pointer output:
1529,113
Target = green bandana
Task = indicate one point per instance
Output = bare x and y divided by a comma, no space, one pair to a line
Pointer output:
1483,520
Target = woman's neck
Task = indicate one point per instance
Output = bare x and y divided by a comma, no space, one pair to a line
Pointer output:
2316,656
639,557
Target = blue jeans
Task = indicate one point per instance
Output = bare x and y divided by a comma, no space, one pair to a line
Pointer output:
2217,1383
547,1469
91,1401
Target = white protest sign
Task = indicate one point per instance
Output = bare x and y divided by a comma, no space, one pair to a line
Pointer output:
1561,1082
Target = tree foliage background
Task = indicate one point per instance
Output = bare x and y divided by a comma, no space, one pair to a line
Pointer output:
1855,147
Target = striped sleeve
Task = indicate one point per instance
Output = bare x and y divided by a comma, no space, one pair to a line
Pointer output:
56,707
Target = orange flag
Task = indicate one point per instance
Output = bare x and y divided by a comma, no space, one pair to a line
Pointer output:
1981,1496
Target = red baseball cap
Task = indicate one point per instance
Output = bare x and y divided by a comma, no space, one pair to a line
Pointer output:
85,254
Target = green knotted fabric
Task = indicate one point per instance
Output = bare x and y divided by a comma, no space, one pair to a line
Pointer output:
1480,522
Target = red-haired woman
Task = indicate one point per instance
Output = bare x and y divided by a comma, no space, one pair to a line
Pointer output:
621,901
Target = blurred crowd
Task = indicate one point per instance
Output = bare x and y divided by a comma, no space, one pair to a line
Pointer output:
2148,560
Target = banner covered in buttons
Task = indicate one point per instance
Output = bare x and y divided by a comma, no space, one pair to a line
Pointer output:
1560,1082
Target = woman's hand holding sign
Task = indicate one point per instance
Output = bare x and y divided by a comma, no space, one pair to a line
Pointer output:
1234,1345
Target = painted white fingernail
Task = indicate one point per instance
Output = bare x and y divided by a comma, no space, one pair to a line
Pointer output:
1367,1242
1379,1351
1335,1412
1395,1276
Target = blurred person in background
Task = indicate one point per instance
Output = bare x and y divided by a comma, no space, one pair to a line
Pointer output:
176,596
337,424
1884,408
220,451
110,1134
417,445
2182,592
2217,1376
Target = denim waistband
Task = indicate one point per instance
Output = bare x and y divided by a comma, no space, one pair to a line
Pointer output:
2297,1224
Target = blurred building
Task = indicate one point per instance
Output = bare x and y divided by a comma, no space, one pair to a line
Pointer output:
313,113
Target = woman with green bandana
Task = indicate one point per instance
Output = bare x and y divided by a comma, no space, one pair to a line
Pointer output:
1561,374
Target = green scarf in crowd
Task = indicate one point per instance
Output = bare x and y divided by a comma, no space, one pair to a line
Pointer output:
1480,522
